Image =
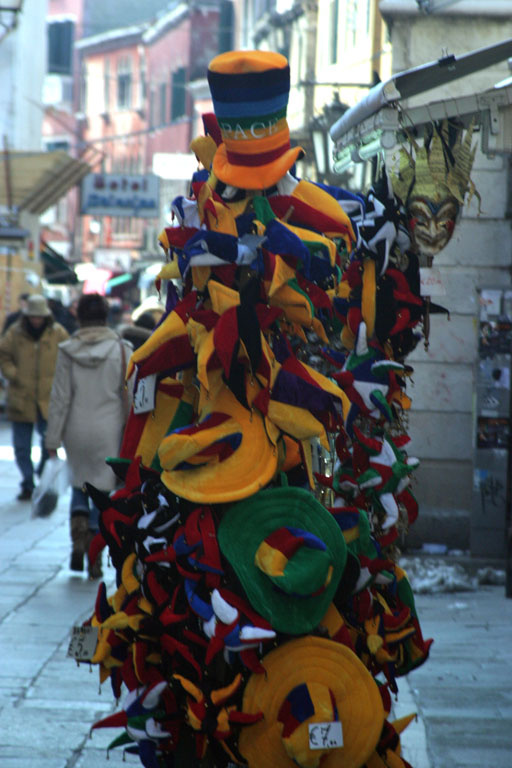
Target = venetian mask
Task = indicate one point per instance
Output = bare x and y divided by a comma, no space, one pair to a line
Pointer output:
432,181
431,223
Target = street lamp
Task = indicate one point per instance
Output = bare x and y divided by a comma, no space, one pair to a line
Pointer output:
323,145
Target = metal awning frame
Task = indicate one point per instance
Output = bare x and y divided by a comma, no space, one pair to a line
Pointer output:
380,120
391,126
34,181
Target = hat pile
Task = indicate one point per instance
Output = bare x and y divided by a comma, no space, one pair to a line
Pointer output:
260,617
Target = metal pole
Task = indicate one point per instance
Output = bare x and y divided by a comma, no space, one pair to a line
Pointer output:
7,172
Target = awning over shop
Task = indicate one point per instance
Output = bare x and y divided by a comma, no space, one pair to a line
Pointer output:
56,268
119,280
34,181
12,233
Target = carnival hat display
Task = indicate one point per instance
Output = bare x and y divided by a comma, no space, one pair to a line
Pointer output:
260,617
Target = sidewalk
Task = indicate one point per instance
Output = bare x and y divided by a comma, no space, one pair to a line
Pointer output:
47,702
463,694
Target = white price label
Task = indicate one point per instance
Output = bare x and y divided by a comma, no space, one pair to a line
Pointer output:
83,643
325,735
145,394
431,283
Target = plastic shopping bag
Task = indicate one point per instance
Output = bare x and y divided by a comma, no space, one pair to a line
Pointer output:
53,481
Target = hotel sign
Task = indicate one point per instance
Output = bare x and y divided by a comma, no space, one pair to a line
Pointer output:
117,194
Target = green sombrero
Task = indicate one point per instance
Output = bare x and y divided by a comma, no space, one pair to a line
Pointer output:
288,553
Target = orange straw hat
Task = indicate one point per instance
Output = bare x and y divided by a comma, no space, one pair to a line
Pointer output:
307,681
250,97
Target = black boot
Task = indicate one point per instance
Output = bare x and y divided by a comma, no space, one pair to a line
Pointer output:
79,531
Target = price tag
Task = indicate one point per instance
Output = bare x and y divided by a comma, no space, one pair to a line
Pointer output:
83,643
325,735
431,283
144,396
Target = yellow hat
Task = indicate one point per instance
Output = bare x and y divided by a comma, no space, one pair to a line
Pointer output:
226,456
306,681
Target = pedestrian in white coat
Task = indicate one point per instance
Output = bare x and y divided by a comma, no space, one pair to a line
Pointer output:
87,414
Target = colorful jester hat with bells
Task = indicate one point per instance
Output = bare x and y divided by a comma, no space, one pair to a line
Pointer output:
432,182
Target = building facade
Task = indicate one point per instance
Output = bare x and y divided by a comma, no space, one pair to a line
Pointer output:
117,89
21,116
442,420
337,49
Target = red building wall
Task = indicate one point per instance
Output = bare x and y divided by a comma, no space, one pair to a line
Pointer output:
60,126
191,44
180,43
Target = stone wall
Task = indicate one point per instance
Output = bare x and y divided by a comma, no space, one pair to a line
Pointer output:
441,422
443,393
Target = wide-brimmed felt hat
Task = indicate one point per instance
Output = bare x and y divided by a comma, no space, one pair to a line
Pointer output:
306,681
37,306
288,553
250,96
225,456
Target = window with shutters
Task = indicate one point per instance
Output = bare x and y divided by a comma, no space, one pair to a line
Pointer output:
124,83
60,47
179,96
351,24
106,87
333,31
152,110
163,103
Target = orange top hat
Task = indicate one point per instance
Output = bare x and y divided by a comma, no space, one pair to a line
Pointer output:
250,96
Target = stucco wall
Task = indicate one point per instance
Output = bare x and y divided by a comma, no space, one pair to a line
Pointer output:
418,40
22,78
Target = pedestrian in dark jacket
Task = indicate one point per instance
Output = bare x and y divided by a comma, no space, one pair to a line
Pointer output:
139,331
13,316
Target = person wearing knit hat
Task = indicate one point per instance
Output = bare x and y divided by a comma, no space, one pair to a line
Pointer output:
28,355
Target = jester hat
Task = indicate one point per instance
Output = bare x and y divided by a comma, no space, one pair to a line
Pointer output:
225,456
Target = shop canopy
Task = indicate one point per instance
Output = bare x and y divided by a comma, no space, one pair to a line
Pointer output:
56,268
34,181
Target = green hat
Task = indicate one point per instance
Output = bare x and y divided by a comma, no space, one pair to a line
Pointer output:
289,554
